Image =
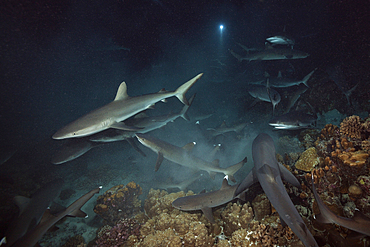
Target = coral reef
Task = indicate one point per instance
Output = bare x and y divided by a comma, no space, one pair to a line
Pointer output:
118,234
261,206
75,241
236,216
119,202
352,127
308,160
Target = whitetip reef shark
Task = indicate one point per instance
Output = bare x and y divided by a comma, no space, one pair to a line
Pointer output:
268,172
207,201
182,156
358,223
120,109
33,236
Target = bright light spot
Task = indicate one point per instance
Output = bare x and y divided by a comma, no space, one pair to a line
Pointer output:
221,27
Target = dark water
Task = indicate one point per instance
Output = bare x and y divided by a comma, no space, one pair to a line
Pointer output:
61,60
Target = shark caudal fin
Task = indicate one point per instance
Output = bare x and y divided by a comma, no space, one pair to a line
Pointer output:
230,171
307,77
185,109
181,91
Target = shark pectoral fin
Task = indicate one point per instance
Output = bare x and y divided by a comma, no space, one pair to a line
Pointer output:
77,213
225,184
322,219
159,161
246,183
207,211
22,203
133,144
189,147
288,56
123,126
288,176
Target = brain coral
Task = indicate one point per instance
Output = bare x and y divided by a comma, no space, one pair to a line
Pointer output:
308,160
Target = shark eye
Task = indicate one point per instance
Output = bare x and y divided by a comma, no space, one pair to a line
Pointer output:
74,133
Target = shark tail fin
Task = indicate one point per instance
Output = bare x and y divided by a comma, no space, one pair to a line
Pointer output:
185,109
236,55
307,77
181,91
230,171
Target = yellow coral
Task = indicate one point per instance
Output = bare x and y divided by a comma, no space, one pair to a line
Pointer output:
354,159
308,160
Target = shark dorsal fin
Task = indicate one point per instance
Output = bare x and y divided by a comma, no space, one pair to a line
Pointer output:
202,191
223,125
162,91
121,92
279,74
188,147
225,184
22,202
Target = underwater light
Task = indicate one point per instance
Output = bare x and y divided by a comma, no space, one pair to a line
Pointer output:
221,27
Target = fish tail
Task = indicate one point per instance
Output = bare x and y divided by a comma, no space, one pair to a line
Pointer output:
185,109
230,171
181,91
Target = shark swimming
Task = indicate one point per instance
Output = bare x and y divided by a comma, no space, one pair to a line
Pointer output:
31,210
264,93
294,120
207,201
123,107
359,222
268,172
224,129
271,53
182,156
33,236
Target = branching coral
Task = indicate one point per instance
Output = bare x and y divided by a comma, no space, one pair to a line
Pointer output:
118,234
236,216
119,202
352,127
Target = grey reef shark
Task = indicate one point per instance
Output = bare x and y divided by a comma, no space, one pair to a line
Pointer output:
271,53
207,201
268,172
183,157
120,109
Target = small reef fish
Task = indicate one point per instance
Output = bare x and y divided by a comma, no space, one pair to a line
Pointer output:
207,201
358,223
268,172
33,236
182,156
123,107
